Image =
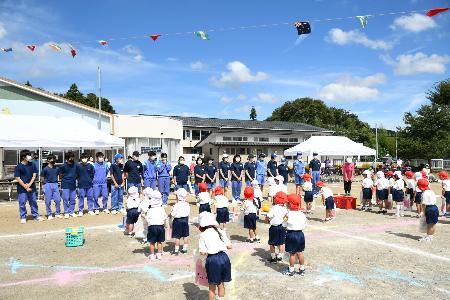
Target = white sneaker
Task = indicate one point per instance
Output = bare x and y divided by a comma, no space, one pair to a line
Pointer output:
106,211
59,216
80,213
97,212
425,239
123,210
23,221
50,217
158,255
40,219
91,213
73,215
402,215
66,216
152,257
397,215
114,212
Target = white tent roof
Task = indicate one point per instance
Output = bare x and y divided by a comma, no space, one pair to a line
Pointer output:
330,145
20,131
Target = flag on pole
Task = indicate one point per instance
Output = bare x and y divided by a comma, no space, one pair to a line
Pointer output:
435,11
55,47
31,47
6,49
303,27
155,36
73,51
363,20
203,35
103,42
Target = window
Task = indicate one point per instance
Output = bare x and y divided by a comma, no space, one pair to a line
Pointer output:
261,139
186,134
204,134
195,135
284,140
244,139
237,138
210,151
226,138
293,140
230,151
242,151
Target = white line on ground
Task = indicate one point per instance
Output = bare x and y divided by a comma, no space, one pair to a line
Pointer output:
62,230
388,245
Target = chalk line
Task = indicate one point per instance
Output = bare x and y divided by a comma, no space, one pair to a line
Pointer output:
60,231
388,245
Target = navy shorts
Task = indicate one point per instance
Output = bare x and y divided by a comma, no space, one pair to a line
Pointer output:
180,228
295,241
156,234
132,215
204,207
309,196
250,221
418,198
218,268
329,203
382,194
223,183
298,180
223,215
211,185
431,214
277,235
410,192
447,197
398,195
367,193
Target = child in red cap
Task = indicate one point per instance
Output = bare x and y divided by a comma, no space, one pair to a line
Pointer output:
277,233
222,213
250,214
308,196
327,198
204,199
295,239
431,210
410,185
443,176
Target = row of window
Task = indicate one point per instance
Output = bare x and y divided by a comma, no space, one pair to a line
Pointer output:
195,135
244,151
257,139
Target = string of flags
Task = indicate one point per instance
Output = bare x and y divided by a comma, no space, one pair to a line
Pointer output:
303,27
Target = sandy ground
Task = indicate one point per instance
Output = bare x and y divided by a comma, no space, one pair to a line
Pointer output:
359,255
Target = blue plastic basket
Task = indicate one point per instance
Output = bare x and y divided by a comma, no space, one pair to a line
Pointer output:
74,236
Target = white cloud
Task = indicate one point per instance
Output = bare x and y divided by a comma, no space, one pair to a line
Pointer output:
227,99
172,59
351,89
241,97
414,23
266,98
238,73
135,52
410,64
244,109
3,31
340,37
198,65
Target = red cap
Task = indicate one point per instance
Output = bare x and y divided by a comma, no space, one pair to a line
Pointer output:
443,175
307,177
294,201
424,174
409,174
202,187
280,198
423,184
218,191
389,173
249,193
320,184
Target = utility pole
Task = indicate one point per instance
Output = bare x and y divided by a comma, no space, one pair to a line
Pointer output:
396,156
376,140
99,99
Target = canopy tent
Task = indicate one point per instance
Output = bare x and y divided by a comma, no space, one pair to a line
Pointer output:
19,132
330,146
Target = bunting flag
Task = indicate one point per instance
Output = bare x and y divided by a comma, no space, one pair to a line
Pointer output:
73,51
103,42
303,27
31,47
203,35
6,49
154,37
55,47
363,20
435,11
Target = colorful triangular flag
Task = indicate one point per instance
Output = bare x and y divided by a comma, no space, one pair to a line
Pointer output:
203,35
6,49
55,47
73,51
363,20
303,27
103,42
155,36
31,47
435,11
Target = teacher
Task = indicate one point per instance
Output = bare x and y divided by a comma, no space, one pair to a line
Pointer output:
348,172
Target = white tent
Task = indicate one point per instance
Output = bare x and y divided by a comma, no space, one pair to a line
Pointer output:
330,146
19,131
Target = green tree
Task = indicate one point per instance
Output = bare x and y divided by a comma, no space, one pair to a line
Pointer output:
90,99
253,114
440,93
28,84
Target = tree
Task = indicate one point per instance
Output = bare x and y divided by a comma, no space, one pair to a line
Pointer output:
253,114
28,84
90,100
440,93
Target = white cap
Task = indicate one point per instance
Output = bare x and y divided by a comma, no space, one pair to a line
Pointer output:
418,175
271,181
133,191
280,178
224,155
148,192
255,182
398,174
206,219
380,174
367,172
181,194
155,198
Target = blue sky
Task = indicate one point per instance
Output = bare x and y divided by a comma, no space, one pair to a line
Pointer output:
378,72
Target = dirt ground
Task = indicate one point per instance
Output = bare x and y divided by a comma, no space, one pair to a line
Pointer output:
358,255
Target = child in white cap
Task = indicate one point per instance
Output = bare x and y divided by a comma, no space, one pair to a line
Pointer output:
382,185
257,193
133,202
180,226
367,185
273,188
156,218
214,243
398,193
281,186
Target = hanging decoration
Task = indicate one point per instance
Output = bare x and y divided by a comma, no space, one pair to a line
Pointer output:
435,11
55,47
203,35
73,51
103,42
363,20
303,27
154,37
31,47
6,49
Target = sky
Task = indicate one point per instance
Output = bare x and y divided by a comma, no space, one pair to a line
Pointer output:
377,72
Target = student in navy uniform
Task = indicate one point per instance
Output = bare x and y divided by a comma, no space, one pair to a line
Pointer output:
314,167
100,181
134,172
199,174
181,174
68,176
49,176
25,174
283,170
210,174
236,177
261,170
163,168
150,171
85,176
224,173
250,170
117,184
272,166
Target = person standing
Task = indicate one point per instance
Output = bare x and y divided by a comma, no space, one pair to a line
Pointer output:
68,176
25,173
150,171
299,171
181,174
261,169
100,181
250,170
85,177
348,172
283,170
272,166
210,175
224,173
236,177
163,168
134,172
314,167
199,174
117,184
49,176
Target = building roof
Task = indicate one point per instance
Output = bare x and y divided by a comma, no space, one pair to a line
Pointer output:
52,96
247,124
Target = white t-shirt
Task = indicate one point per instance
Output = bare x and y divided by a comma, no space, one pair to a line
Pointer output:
410,183
273,190
156,216
203,198
296,220
144,205
250,208
391,181
181,209
221,201
367,183
326,192
382,184
446,185
257,193
276,214
133,202
210,242
428,197
282,188
307,186
399,185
